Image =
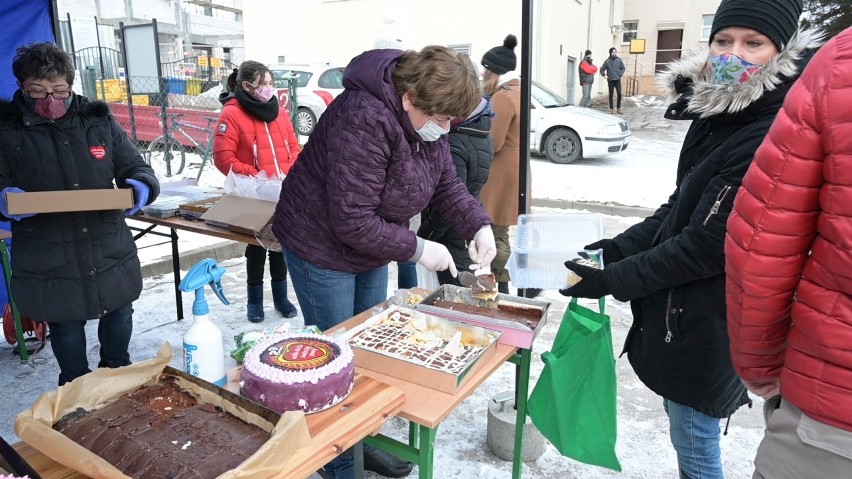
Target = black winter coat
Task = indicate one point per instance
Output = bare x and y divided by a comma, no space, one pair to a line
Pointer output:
79,265
472,149
674,266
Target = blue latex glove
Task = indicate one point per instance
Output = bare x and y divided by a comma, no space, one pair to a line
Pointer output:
4,209
141,191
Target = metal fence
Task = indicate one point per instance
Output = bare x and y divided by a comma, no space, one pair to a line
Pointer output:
170,118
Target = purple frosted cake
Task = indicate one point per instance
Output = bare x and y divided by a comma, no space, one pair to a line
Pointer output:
303,372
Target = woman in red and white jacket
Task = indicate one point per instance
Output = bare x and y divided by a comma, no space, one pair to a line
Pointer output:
789,270
253,136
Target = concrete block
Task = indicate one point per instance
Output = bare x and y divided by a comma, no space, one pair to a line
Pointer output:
500,435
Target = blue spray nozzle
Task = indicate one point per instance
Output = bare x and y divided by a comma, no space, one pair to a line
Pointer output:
204,272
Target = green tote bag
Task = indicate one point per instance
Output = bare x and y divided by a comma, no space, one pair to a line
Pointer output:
573,403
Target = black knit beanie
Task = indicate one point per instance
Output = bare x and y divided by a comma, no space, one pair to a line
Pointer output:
501,59
777,19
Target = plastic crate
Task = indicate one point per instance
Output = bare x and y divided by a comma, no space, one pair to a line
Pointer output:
545,242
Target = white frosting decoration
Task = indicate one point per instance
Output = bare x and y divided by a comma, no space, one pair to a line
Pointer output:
253,364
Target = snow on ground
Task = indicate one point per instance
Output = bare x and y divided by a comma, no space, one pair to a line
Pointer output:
643,175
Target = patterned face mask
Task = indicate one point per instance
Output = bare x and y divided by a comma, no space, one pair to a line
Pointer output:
729,69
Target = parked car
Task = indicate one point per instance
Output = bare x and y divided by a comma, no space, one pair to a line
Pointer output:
318,84
565,133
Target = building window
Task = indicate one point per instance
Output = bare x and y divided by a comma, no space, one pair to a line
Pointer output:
460,48
629,31
706,25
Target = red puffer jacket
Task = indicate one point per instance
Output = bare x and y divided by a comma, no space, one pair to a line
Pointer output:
248,145
789,247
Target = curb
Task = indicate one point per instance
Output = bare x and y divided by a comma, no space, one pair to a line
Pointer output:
218,251
612,210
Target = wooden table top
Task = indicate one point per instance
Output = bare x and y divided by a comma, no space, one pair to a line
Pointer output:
197,226
332,431
423,405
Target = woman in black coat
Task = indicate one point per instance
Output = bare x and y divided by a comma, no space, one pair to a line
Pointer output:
68,268
671,266
473,150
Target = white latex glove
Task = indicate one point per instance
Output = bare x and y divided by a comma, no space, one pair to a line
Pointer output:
436,257
483,249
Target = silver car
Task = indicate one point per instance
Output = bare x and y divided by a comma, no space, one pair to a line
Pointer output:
318,84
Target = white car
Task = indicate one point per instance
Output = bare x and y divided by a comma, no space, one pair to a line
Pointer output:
565,133
318,84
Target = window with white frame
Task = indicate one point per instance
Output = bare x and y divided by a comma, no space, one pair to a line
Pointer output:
706,25
629,31
461,48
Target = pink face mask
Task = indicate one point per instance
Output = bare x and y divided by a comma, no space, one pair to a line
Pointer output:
50,108
263,93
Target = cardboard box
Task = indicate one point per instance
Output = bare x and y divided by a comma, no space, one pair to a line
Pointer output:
418,373
197,208
242,215
64,201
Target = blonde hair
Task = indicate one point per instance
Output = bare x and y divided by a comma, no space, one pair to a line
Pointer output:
489,82
438,80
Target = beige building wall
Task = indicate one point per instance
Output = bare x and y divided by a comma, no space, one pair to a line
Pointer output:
337,30
658,19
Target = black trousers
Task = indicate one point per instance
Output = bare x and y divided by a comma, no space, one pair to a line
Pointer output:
614,85
256,262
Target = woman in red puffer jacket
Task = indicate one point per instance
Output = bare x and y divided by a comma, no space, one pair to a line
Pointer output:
789,270
253,136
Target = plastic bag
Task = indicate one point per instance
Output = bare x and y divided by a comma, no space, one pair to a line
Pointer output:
259,187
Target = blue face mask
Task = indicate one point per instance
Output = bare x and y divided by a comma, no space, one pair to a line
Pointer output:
431,131
729,69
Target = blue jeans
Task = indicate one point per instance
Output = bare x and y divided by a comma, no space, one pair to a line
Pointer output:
586,99
328,298
695,437
406,276
68,341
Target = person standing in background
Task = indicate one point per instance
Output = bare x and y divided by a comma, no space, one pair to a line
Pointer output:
500,193
69,268
613,69
473,151
587,78
671,266
789,268
253,137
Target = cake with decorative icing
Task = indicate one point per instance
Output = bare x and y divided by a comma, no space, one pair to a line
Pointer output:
301,372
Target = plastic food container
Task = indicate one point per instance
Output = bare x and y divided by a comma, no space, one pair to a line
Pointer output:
544,242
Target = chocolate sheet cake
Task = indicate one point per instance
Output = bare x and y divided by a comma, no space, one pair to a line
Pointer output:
162,431
522,313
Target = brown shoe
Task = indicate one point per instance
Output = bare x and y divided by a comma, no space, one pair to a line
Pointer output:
620,111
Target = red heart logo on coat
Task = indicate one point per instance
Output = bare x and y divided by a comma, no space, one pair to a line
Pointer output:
98,152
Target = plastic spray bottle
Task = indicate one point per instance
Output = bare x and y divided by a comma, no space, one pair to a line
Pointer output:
203,346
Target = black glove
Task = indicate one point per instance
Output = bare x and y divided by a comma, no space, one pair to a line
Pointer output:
611,254
592,284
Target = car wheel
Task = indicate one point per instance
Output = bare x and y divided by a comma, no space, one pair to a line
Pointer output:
563,146
305,121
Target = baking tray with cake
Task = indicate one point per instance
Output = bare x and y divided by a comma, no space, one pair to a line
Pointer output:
518,319
149,420
419,347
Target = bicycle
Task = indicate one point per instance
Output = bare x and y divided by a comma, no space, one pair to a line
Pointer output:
167,155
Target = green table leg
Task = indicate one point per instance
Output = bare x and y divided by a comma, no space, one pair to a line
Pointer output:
521,418
413,434
427,452
19,330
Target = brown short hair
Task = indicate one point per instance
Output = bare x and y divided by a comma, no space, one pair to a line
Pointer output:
42,61
439,81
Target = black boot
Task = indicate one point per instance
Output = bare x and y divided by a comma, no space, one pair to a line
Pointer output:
532,292
254,305
282,303
503,287
385,464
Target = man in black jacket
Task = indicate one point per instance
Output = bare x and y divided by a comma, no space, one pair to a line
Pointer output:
613,69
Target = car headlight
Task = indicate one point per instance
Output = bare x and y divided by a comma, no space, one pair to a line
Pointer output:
611,129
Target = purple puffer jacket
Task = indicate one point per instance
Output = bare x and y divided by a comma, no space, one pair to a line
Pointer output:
363,174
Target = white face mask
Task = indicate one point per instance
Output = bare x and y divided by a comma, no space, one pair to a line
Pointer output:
431,131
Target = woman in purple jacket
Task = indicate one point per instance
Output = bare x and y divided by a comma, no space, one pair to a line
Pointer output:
378,156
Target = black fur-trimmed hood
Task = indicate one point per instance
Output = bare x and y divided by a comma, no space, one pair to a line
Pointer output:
14,109
710,99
